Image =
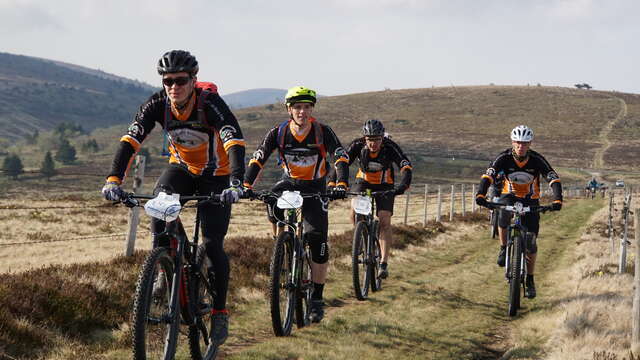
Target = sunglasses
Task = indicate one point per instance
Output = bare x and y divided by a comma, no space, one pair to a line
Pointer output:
180,81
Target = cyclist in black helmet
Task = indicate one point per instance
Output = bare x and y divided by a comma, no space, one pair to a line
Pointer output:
377,153
207,156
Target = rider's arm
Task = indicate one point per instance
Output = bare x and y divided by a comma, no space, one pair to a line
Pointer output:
403,163
340,156
353,151
553,179
144,121
260,157
230,133
490,176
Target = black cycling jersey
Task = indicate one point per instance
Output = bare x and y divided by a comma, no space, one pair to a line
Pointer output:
377,168
521,178
205,145
301,157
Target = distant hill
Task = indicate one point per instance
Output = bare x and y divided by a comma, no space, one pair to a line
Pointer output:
572,127
38,94
254,97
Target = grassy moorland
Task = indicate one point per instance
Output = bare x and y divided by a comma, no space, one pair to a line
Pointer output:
445,299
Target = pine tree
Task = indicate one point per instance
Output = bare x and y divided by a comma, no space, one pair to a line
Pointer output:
48,168
12,166
66,153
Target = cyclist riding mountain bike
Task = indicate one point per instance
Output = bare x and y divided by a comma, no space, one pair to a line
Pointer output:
303,146
376,154
207,156
522,170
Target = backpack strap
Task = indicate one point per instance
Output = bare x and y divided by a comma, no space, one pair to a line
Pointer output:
282,129
317,129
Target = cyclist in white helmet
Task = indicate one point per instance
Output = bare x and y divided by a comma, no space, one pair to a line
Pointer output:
522,169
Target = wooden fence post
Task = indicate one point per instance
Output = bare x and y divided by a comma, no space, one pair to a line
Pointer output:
426,198
473,198
624,238
406,207
439,209
453,202
134,217
635,333
464,200
610,230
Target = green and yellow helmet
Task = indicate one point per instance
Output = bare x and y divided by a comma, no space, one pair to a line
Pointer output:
300,94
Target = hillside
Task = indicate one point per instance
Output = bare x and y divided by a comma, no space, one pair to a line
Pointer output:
570,125
38,94
254,97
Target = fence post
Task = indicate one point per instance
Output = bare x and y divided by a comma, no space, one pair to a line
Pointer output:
464,200
473,198
623,239
610,225
426,198
635,333
134,217
453,202
406,207
439,210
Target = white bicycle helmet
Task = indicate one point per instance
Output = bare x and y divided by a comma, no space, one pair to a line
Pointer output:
522,133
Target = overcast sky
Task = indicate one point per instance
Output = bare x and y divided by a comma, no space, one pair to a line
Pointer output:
342,46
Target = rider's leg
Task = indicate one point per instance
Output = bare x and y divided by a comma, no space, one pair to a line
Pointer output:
315,226
384,216
214,220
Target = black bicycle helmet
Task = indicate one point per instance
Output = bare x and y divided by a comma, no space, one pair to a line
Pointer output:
373,127
175,61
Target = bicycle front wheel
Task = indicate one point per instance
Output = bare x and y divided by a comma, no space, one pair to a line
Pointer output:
282,292
360,261
375,254
304,290
154,332
515,263
201,299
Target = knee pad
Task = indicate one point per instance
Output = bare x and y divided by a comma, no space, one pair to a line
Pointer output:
319,247
532,244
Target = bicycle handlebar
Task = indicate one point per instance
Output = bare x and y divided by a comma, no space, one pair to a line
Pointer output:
263,195
524,209
373,193
131,199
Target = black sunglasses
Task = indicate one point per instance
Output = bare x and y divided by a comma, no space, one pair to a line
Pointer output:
180,81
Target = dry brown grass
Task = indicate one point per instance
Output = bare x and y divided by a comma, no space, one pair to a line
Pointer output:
590,312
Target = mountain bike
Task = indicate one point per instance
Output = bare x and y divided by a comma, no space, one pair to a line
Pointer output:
173,287
365,252
516,252
290,286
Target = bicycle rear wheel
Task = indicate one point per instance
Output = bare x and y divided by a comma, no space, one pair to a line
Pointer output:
201,299
154,333
494,223
360,261
304,290
376,257
282,292
515,262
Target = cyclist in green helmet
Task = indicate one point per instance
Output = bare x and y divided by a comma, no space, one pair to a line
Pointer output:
304,146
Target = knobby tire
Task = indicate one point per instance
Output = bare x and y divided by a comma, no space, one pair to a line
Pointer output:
153,337
515,263
360,262
376,257
281,292
201,299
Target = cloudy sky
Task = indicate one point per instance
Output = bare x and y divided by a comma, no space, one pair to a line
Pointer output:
340,46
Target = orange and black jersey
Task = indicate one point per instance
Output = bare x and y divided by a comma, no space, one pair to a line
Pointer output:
205,138
521,178
302,157
377,168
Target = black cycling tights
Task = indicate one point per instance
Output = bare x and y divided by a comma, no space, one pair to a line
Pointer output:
214,220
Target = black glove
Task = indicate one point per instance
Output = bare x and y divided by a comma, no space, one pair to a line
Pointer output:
481,201
339,192
399,190
556,206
